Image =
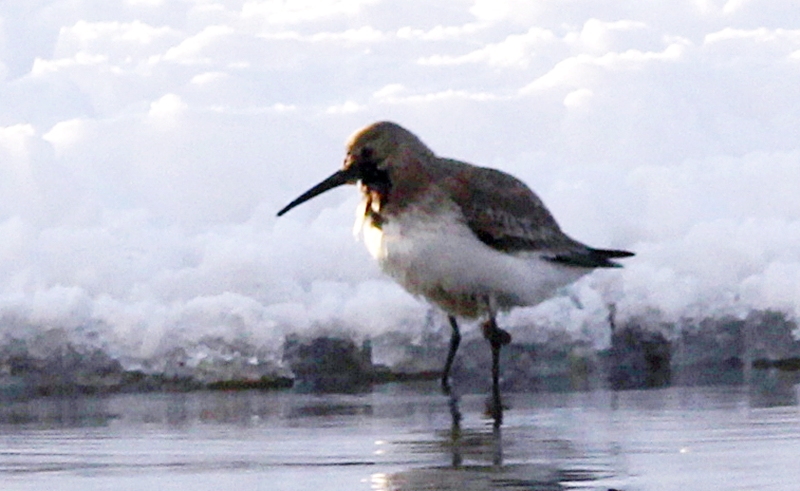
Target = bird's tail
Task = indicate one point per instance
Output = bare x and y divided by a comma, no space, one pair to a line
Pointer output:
611,253
592,258
604,256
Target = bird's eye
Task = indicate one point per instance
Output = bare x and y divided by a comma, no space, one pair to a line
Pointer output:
366,153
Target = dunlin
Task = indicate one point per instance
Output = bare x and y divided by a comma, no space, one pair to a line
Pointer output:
472,240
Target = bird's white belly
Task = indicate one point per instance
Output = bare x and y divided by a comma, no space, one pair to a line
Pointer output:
439,258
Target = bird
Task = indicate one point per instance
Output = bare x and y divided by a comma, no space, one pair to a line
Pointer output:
473,241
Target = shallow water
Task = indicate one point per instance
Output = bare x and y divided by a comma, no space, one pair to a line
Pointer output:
402,437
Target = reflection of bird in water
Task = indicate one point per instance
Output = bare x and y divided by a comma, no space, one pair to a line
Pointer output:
471,240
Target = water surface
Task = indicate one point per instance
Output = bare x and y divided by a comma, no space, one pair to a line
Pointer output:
402,437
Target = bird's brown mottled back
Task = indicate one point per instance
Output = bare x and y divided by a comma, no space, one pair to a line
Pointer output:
502,211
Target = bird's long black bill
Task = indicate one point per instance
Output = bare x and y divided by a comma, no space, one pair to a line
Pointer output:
344,176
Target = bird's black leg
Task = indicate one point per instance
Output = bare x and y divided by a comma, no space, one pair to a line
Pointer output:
455,340
497,339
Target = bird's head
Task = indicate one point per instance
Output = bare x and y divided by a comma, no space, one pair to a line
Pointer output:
374,155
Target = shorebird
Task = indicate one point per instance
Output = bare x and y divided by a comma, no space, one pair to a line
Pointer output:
472,240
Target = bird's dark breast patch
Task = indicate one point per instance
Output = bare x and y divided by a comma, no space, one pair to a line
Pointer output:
375,184
375,179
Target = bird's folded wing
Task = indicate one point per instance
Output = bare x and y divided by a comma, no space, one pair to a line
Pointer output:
502,211
506,215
